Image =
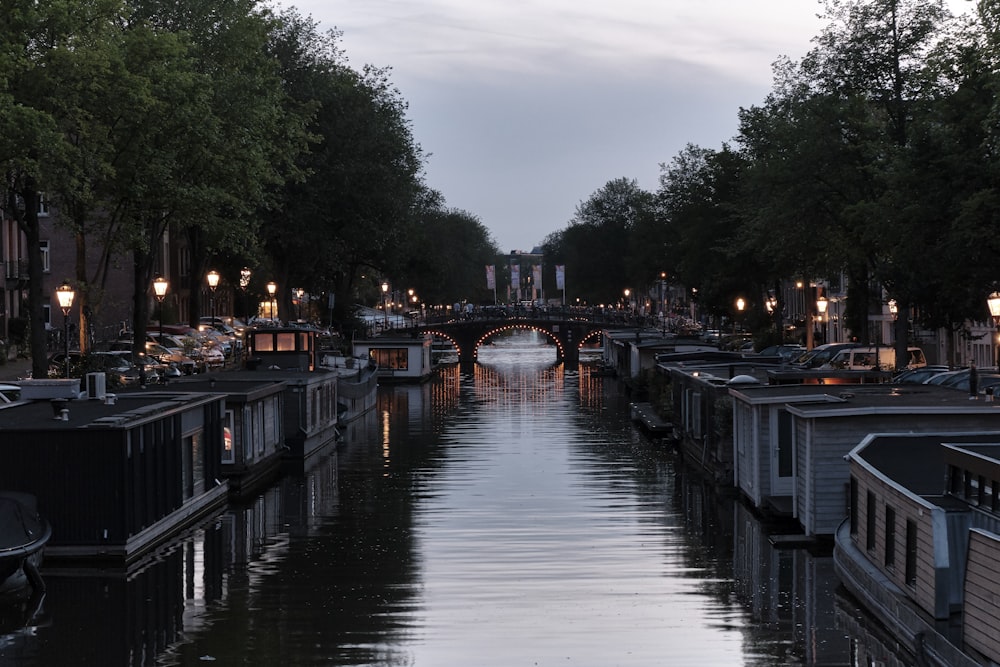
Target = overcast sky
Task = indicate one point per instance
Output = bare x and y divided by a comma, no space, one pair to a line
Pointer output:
527,107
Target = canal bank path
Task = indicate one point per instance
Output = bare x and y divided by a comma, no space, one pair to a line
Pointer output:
15,369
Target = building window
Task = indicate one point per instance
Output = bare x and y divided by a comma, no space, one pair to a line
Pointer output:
43,205
43,247
184,262
890,537
870,521
911,553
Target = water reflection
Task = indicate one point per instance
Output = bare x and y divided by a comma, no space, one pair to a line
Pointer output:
500,515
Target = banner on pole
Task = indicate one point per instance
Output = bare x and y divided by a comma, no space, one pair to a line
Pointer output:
536,272
515,276
560,276
491,276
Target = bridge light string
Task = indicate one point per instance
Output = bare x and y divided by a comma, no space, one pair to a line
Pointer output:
447,338
523,327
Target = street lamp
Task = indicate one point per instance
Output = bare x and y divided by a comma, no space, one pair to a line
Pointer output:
272,289
160,285
244,284
65,295
385,304
740,305
298,302
213,281
994,303
663,303
821,305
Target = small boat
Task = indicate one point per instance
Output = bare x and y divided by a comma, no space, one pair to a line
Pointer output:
23,534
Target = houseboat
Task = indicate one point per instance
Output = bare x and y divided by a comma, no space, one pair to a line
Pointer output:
790,441
357,386
920,545
115,476
398,358
253,442
291,355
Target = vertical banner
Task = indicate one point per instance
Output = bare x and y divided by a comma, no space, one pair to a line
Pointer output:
536,277
560,276
515,276
491,276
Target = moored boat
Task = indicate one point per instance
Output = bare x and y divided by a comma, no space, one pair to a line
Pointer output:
23,534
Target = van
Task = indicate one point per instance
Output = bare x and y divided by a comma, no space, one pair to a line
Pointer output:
882,357
821,355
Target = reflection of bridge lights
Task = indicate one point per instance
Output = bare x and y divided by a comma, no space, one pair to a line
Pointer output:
385,438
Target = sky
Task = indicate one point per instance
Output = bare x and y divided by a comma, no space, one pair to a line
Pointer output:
526,108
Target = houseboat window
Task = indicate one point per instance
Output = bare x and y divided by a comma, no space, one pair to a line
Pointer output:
194,466
854,506
981,491
967,485
785,443
995,494
870,515
263,342
228,454
911,553
744,427
285,342
954,480
890,537
394,359
275,420
258,431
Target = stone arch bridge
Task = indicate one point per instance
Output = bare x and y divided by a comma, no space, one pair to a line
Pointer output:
467,335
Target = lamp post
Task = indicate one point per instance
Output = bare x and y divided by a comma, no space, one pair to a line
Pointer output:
272,289
213,281
65,295
385,304
160,285
994,303
821,305
740,305
663,303
298,303
245,274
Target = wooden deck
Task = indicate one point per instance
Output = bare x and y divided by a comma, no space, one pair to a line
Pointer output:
644,415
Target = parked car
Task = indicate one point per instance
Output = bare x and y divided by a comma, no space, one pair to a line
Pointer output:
918,375
9,393
880,357
787,352
117,366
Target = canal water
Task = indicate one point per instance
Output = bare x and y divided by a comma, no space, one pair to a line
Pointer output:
501,516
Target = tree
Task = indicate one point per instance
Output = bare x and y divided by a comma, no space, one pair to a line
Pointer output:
350,214
597,243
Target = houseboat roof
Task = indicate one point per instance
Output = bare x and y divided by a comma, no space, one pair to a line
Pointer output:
865,399
126,410
919,471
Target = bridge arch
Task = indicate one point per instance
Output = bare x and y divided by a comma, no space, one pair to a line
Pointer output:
517,326
447,337
467,335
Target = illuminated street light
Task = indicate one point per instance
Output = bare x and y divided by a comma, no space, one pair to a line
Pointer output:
272,289
160,286
65,296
